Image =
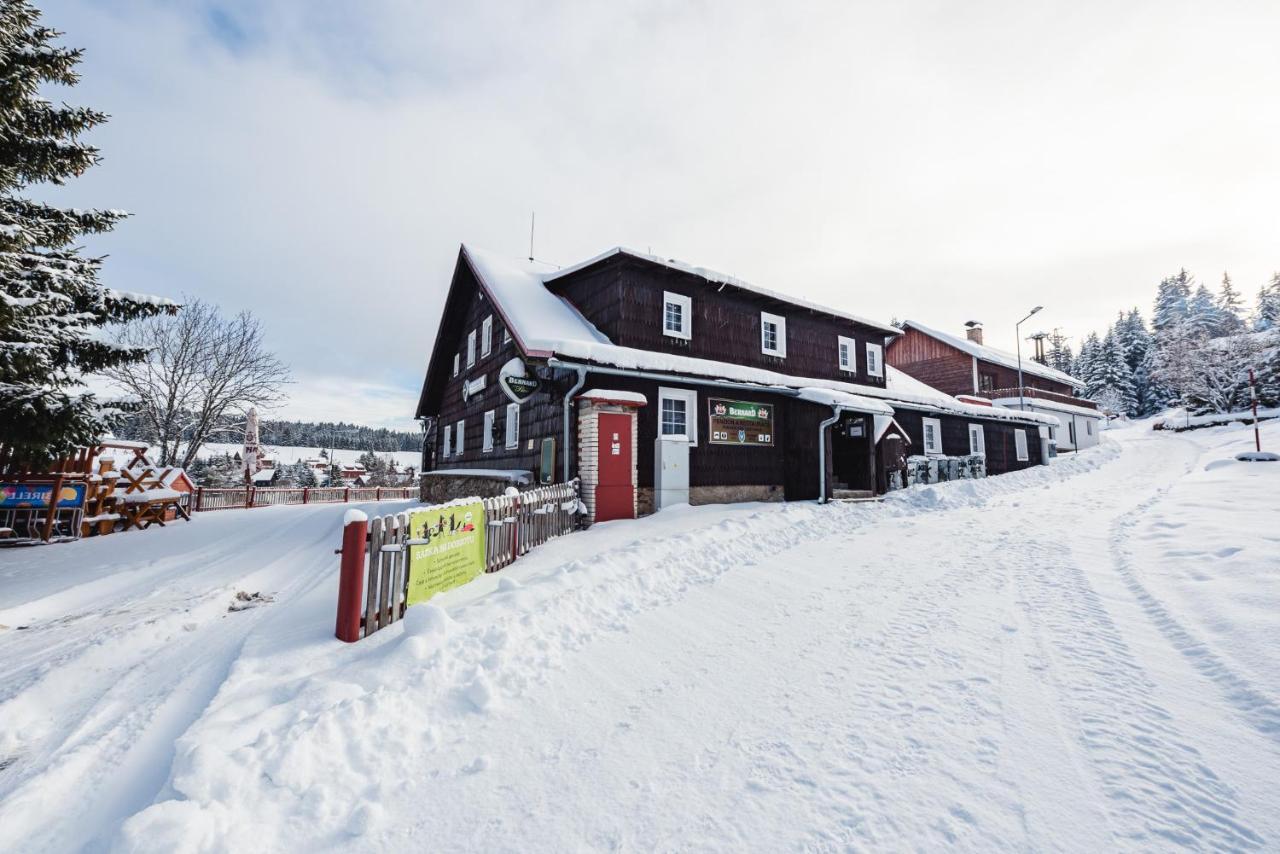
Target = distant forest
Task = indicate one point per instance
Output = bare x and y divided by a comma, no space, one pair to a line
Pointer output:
306,434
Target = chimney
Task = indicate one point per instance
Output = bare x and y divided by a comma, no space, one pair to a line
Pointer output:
973,331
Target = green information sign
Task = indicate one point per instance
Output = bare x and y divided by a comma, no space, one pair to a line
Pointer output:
446,549
740,422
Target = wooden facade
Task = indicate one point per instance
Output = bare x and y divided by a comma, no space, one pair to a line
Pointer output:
952,370
622,296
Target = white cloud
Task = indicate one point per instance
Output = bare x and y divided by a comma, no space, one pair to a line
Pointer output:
928,160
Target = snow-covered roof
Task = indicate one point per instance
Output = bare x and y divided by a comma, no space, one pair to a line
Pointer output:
609,395
992,354
845,400
1052,405
721,279
904,389
549,326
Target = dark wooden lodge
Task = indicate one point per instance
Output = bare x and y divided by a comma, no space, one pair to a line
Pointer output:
541,375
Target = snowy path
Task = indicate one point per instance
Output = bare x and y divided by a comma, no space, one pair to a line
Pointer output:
1083,657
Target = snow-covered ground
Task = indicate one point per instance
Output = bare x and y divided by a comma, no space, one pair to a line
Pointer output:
1079,657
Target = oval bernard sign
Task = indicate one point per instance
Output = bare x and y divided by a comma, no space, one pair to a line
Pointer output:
517,382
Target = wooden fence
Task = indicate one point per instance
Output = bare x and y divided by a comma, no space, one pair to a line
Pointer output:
513,525
244,497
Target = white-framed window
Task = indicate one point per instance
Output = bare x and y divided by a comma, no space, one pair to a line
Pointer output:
506,335
486,440
977,439
458,433
486,336
1020,445
875,360
677,315
848,354
773,334
513,425
471,348
457,359
678,413
448,442
932,429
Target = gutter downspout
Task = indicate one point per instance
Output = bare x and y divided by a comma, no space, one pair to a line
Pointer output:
568,402
822,452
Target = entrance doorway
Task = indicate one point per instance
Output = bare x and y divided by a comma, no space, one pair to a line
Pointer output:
616,488
853,465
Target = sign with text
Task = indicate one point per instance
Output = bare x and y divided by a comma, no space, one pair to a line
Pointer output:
446,549
15,495
740,422
517,381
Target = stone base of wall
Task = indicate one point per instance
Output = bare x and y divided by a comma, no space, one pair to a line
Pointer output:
439,488
713,495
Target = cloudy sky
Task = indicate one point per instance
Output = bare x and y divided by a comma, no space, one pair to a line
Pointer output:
320,162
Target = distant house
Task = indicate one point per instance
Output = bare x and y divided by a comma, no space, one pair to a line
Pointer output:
597,370
969,369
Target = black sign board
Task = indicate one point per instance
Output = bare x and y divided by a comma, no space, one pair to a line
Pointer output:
740,422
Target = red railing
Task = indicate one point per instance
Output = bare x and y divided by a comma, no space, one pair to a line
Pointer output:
244,497
1028,391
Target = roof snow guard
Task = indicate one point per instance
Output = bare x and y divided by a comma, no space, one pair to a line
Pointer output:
991,354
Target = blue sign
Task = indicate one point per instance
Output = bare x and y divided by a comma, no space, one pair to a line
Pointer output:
37,495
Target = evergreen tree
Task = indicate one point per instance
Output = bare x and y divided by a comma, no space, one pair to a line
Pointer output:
1172,297
335,476
51,302
1112,380
1202,312
1135,343
1060,356
305,475
1230,308
1084,366
1267,314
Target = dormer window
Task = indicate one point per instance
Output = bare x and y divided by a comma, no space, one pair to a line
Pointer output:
773,335
875,362
848,354
677,315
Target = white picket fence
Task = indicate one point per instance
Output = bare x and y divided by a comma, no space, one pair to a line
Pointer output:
513,525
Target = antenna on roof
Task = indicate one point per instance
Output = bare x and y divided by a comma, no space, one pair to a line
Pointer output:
533,215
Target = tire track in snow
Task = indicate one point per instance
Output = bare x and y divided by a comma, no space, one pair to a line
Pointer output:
1159,790
1260,711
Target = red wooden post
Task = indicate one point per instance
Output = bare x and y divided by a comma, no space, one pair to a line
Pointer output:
305,492
248,496
355,530
377,493
346,494
199,497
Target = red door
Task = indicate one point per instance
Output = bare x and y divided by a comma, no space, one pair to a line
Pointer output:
615,492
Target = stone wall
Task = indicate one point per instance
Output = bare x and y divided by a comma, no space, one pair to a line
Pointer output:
437,488
713,495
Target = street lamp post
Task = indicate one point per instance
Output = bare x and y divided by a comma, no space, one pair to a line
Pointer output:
1018,335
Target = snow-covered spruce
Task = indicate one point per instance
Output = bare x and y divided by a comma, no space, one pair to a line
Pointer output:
51,303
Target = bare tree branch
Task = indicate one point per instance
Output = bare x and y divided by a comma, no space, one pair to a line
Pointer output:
202,368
